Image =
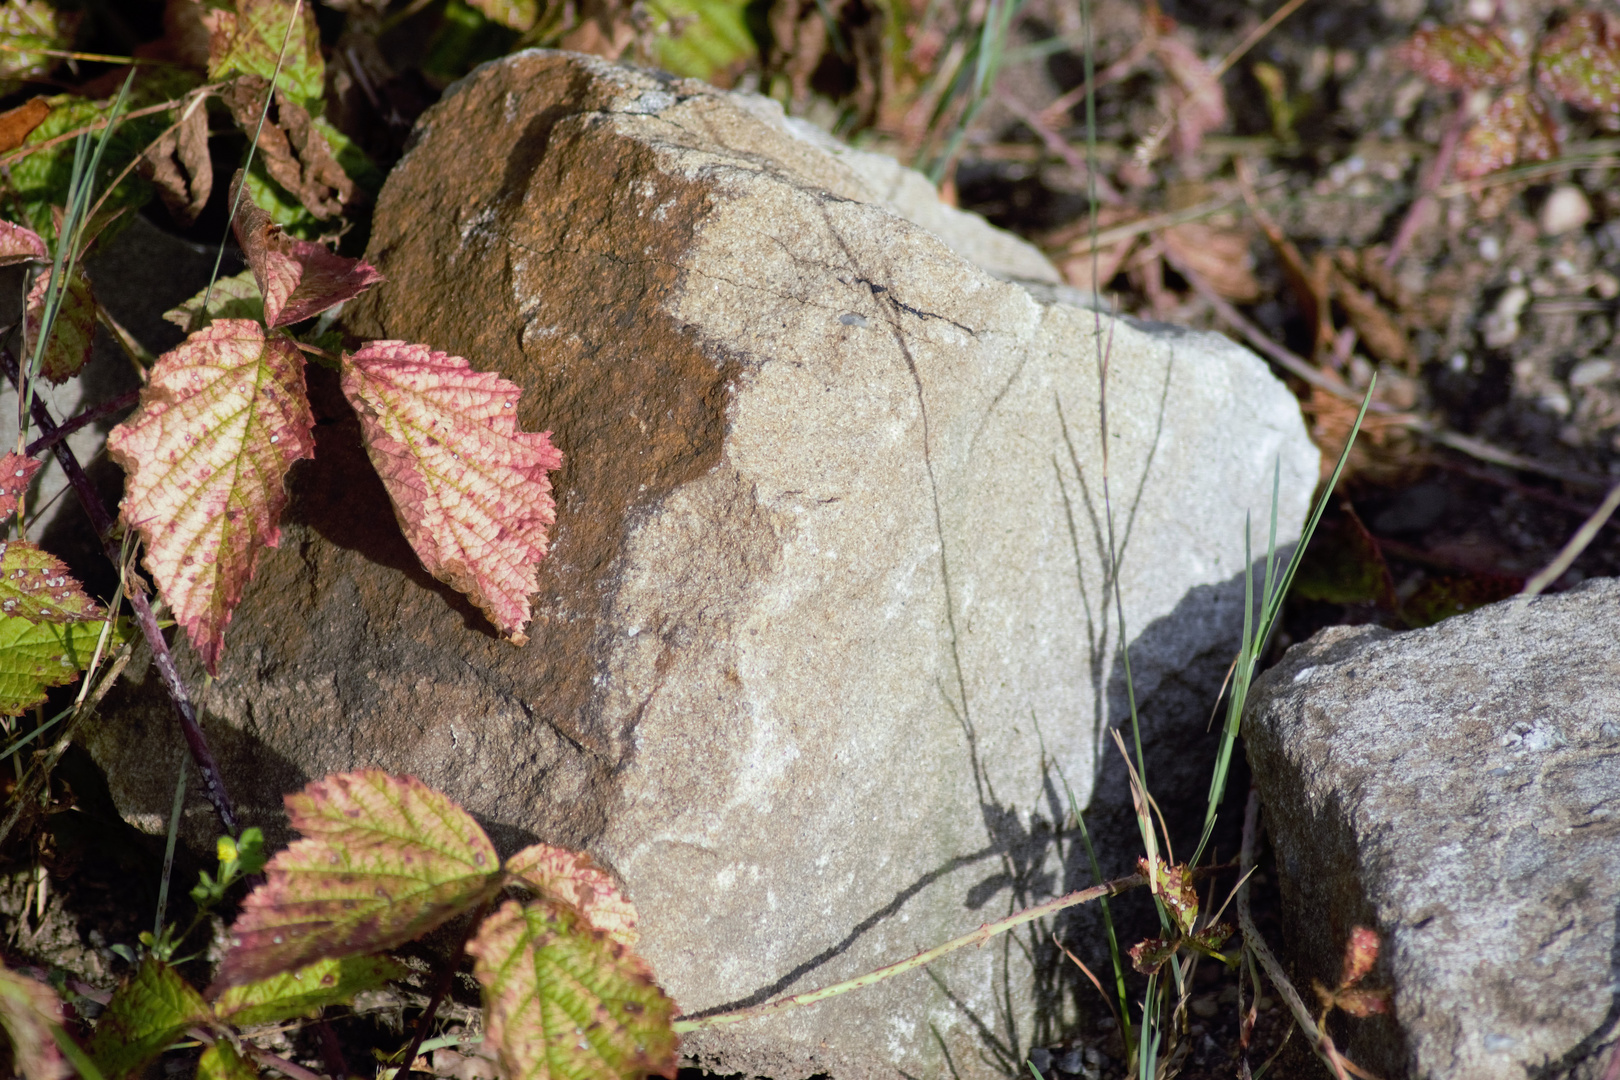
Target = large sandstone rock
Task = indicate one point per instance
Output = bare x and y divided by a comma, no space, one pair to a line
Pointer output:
826,602
1458,789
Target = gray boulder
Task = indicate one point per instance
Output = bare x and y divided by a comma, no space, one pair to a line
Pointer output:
825,614
1458,790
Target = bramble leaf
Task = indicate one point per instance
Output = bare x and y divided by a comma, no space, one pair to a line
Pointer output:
19,243
179,165
1362,1002
703,36
1515,128
248,40
572,878
234,297
222,419
292,148
297,278
34,656
304,992
33,29
74,330
564,1002
35,585
1463,57
1580,62
16,472
383,860
1360,954
148,1010
470,490
28,1011
513,14
1151,954
222,1062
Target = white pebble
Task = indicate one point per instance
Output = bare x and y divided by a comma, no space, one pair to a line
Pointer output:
1565,210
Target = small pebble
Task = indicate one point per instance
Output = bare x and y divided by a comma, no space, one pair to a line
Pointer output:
1204,1006
1041,1058
1591,372
1490,248
1565,210
1072,1062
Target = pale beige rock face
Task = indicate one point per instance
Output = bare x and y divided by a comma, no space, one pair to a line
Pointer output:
827,574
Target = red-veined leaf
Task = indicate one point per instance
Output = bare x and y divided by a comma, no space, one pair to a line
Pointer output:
148,1010
383,860
471,491
1360,954
1515,128
305,991
221,420
297,278
565,1002
572,878
35,585
1463,57
248,41
16,472
19,243
28,1011
1580,62
35,656
74,330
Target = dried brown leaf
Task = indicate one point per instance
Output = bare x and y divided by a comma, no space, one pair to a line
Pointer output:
1200,103
295,154
1221,256
179,166
15,124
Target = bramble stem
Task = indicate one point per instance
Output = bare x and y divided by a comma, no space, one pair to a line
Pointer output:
101,521
89,416
922,959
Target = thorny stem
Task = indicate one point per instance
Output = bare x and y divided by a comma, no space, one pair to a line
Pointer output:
101,521
1320,1040
89,416
441,987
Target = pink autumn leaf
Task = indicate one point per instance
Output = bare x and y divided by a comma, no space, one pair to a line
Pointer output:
18,243
72,333
298,278
221,421
1464,57
470,490
16,472
572,878
35,585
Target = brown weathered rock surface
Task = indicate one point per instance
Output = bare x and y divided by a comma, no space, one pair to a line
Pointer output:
825,604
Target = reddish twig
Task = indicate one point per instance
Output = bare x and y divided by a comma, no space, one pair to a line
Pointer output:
102,522
89,416
1431,181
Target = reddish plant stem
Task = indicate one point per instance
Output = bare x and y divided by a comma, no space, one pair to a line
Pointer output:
88,416
102,522
1449,141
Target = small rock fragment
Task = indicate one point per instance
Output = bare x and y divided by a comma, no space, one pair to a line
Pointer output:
1565,210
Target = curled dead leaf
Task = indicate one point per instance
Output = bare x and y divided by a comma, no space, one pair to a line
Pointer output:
295,154
179,166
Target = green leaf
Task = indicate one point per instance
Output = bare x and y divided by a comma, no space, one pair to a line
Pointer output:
565,1002
248,40
41,179
305,991
1344,565
1442,597
150,1008
72,333
713,36
383,860
234,297
1580,62
222,1062
516,14
29,28
29,1010
35,656
35,585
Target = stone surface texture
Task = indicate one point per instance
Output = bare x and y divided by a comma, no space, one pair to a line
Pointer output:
1458,790
825,610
